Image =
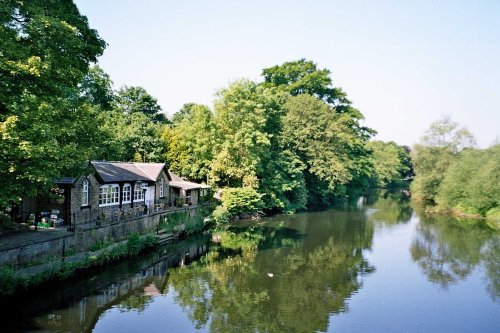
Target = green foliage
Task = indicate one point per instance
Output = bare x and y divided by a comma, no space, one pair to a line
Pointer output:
136,99
190,144
241,201
183,113
185,222
131,137
134,244
221,215
293,138
472,183
46,128
303,77
433,156
97,88
455,176
100,244
392,163
330,144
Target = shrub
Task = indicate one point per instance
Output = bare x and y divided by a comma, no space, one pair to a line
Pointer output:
244,200
134,245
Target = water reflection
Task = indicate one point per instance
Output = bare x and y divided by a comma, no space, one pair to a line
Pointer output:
447,250
299,273
388,207
270,288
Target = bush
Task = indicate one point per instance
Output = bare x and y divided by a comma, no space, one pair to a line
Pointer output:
244,200
220,215
134,245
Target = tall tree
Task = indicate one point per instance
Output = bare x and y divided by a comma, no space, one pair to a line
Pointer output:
46,129
436,151
183,113
97,88
137,99
190,143
303,77
327,142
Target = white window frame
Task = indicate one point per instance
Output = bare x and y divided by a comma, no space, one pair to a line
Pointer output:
85,192
127,193
138,192
109,195
162,189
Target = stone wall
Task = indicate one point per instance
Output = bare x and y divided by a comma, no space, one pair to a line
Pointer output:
85,237
115,232
37,251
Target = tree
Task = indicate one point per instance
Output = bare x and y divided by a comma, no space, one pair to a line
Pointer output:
190,142
304,77
240,117
437,150
46,129
97,88
472,183
391,162
445,133
131,137
137,99
327,142
183,113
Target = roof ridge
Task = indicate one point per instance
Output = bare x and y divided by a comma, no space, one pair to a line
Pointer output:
144,172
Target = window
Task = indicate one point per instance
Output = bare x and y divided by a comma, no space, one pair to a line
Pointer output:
109,195
126,194
161,188
138,192
85,192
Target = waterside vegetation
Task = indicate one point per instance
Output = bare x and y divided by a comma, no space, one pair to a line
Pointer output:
454,177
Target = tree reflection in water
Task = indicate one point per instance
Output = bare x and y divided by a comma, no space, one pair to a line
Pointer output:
448,250
280,289
389,208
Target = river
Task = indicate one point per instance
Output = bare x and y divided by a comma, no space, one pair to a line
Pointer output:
373,266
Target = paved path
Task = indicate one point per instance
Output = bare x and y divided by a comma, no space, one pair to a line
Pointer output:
20,239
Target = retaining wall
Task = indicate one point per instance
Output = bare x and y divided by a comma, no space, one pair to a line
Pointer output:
84,238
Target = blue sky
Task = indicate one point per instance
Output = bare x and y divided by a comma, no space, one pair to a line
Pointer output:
402,63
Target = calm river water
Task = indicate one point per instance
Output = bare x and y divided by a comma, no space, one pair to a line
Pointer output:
376,266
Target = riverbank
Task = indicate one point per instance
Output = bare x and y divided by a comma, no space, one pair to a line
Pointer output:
492,222
52,256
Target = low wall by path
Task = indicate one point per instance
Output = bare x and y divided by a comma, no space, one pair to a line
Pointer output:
34,251
118,231
23,251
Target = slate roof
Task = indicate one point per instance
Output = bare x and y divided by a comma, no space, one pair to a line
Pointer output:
110,172
184,184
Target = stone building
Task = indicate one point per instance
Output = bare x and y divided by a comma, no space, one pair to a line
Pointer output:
114,191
